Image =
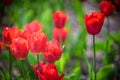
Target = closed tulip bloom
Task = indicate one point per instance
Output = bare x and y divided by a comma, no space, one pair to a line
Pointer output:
94,22
34,26
118,3
7,2
37,42
24,34
60,19
9,34
106,7
1,44
19,48
52,51
60,34
47,72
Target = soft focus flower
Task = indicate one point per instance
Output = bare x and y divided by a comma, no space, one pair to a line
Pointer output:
106,7
60,34
24,34
19,48
7,2
37,42
34,26
1,44
118,3
9,34
60,19
47,72
94,22
52,51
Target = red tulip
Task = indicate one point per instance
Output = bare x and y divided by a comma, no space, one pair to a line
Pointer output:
52,51
19,48
7,2
118,3
47,72
106,7
60,34
60,19
34,26
9,34
37,42
24,34
1,44
94,22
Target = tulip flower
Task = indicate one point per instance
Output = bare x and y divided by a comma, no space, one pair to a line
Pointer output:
60,19
94,22
47,72
34,26
118,3
37,42
9,34
7,2
19,48
1,44
60,34
106,7
53,51
24,34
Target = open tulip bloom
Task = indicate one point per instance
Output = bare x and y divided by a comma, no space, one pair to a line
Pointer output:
94,24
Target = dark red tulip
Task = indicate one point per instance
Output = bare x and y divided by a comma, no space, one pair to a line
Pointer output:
1,44
19,48
34,26
106,7
60,19
9,34
60,34
7,2
47,72
52,51
37,42
94,22
118,3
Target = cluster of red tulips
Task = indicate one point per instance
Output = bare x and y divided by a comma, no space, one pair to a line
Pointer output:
33,39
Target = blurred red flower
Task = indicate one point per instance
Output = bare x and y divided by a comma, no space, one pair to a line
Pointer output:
94,22
52,51
19,48
1,44
7,2
37,42
118,3
34,26
60,34
9,34
60,19
106,7
24,34
47,72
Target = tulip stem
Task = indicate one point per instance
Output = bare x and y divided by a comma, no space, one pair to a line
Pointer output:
94,57
22,69
108,34
10,65
38,62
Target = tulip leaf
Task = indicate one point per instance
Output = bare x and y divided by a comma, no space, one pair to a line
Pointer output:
31,58
90,70
106,73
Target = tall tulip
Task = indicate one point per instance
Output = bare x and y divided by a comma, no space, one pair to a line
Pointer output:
94,24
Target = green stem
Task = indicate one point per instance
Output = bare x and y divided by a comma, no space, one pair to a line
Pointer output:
38,62
107,35
22,69
94,58
10,65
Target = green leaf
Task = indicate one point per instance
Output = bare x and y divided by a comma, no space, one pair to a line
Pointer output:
90,70
31,58
106,73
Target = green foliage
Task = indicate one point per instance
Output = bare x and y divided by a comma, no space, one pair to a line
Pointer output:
106,73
